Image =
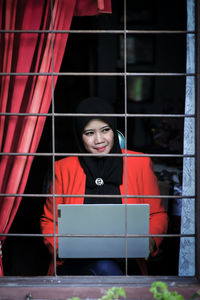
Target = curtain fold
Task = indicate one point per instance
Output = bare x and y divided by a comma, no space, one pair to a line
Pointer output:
92,7
29,52
25,52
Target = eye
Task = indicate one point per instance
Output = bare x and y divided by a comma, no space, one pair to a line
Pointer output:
106,129
88,133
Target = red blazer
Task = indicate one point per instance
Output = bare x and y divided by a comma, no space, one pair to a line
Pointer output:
70,179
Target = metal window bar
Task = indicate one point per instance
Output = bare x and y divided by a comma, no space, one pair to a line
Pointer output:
78,154
96,235
99,31
53,136
126,115
96,74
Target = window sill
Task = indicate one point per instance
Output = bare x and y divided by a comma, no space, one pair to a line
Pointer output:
136,287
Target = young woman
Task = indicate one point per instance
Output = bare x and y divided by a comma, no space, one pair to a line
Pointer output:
102,175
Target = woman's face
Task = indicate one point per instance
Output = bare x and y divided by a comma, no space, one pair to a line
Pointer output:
98,137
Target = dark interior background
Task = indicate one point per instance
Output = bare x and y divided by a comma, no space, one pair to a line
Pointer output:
159,94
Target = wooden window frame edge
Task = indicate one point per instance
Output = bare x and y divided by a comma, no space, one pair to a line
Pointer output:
90,287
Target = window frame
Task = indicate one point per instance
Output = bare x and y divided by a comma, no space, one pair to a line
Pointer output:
197,161
48,281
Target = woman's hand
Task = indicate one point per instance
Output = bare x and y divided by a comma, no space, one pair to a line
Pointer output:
152,246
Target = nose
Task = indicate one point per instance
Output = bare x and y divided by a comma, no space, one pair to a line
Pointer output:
98,138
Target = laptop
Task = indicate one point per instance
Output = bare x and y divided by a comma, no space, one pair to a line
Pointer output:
103,219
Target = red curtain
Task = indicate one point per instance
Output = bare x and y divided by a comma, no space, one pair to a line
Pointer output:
25,52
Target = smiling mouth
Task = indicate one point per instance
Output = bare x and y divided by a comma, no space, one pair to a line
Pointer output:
101,149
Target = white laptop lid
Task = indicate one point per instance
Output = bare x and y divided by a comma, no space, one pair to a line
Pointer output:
103,219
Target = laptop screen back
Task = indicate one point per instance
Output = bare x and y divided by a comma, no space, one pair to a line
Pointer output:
99,219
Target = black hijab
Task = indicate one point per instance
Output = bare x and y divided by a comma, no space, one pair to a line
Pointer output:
103,174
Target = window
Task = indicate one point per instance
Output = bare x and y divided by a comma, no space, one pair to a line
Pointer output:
143,58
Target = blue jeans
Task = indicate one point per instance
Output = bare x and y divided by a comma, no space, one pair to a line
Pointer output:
90,267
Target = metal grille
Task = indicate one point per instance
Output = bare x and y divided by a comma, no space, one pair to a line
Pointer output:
126,115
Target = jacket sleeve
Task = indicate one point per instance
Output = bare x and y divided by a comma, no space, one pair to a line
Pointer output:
158,215
47,223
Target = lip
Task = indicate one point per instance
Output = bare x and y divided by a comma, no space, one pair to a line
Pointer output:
101,149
